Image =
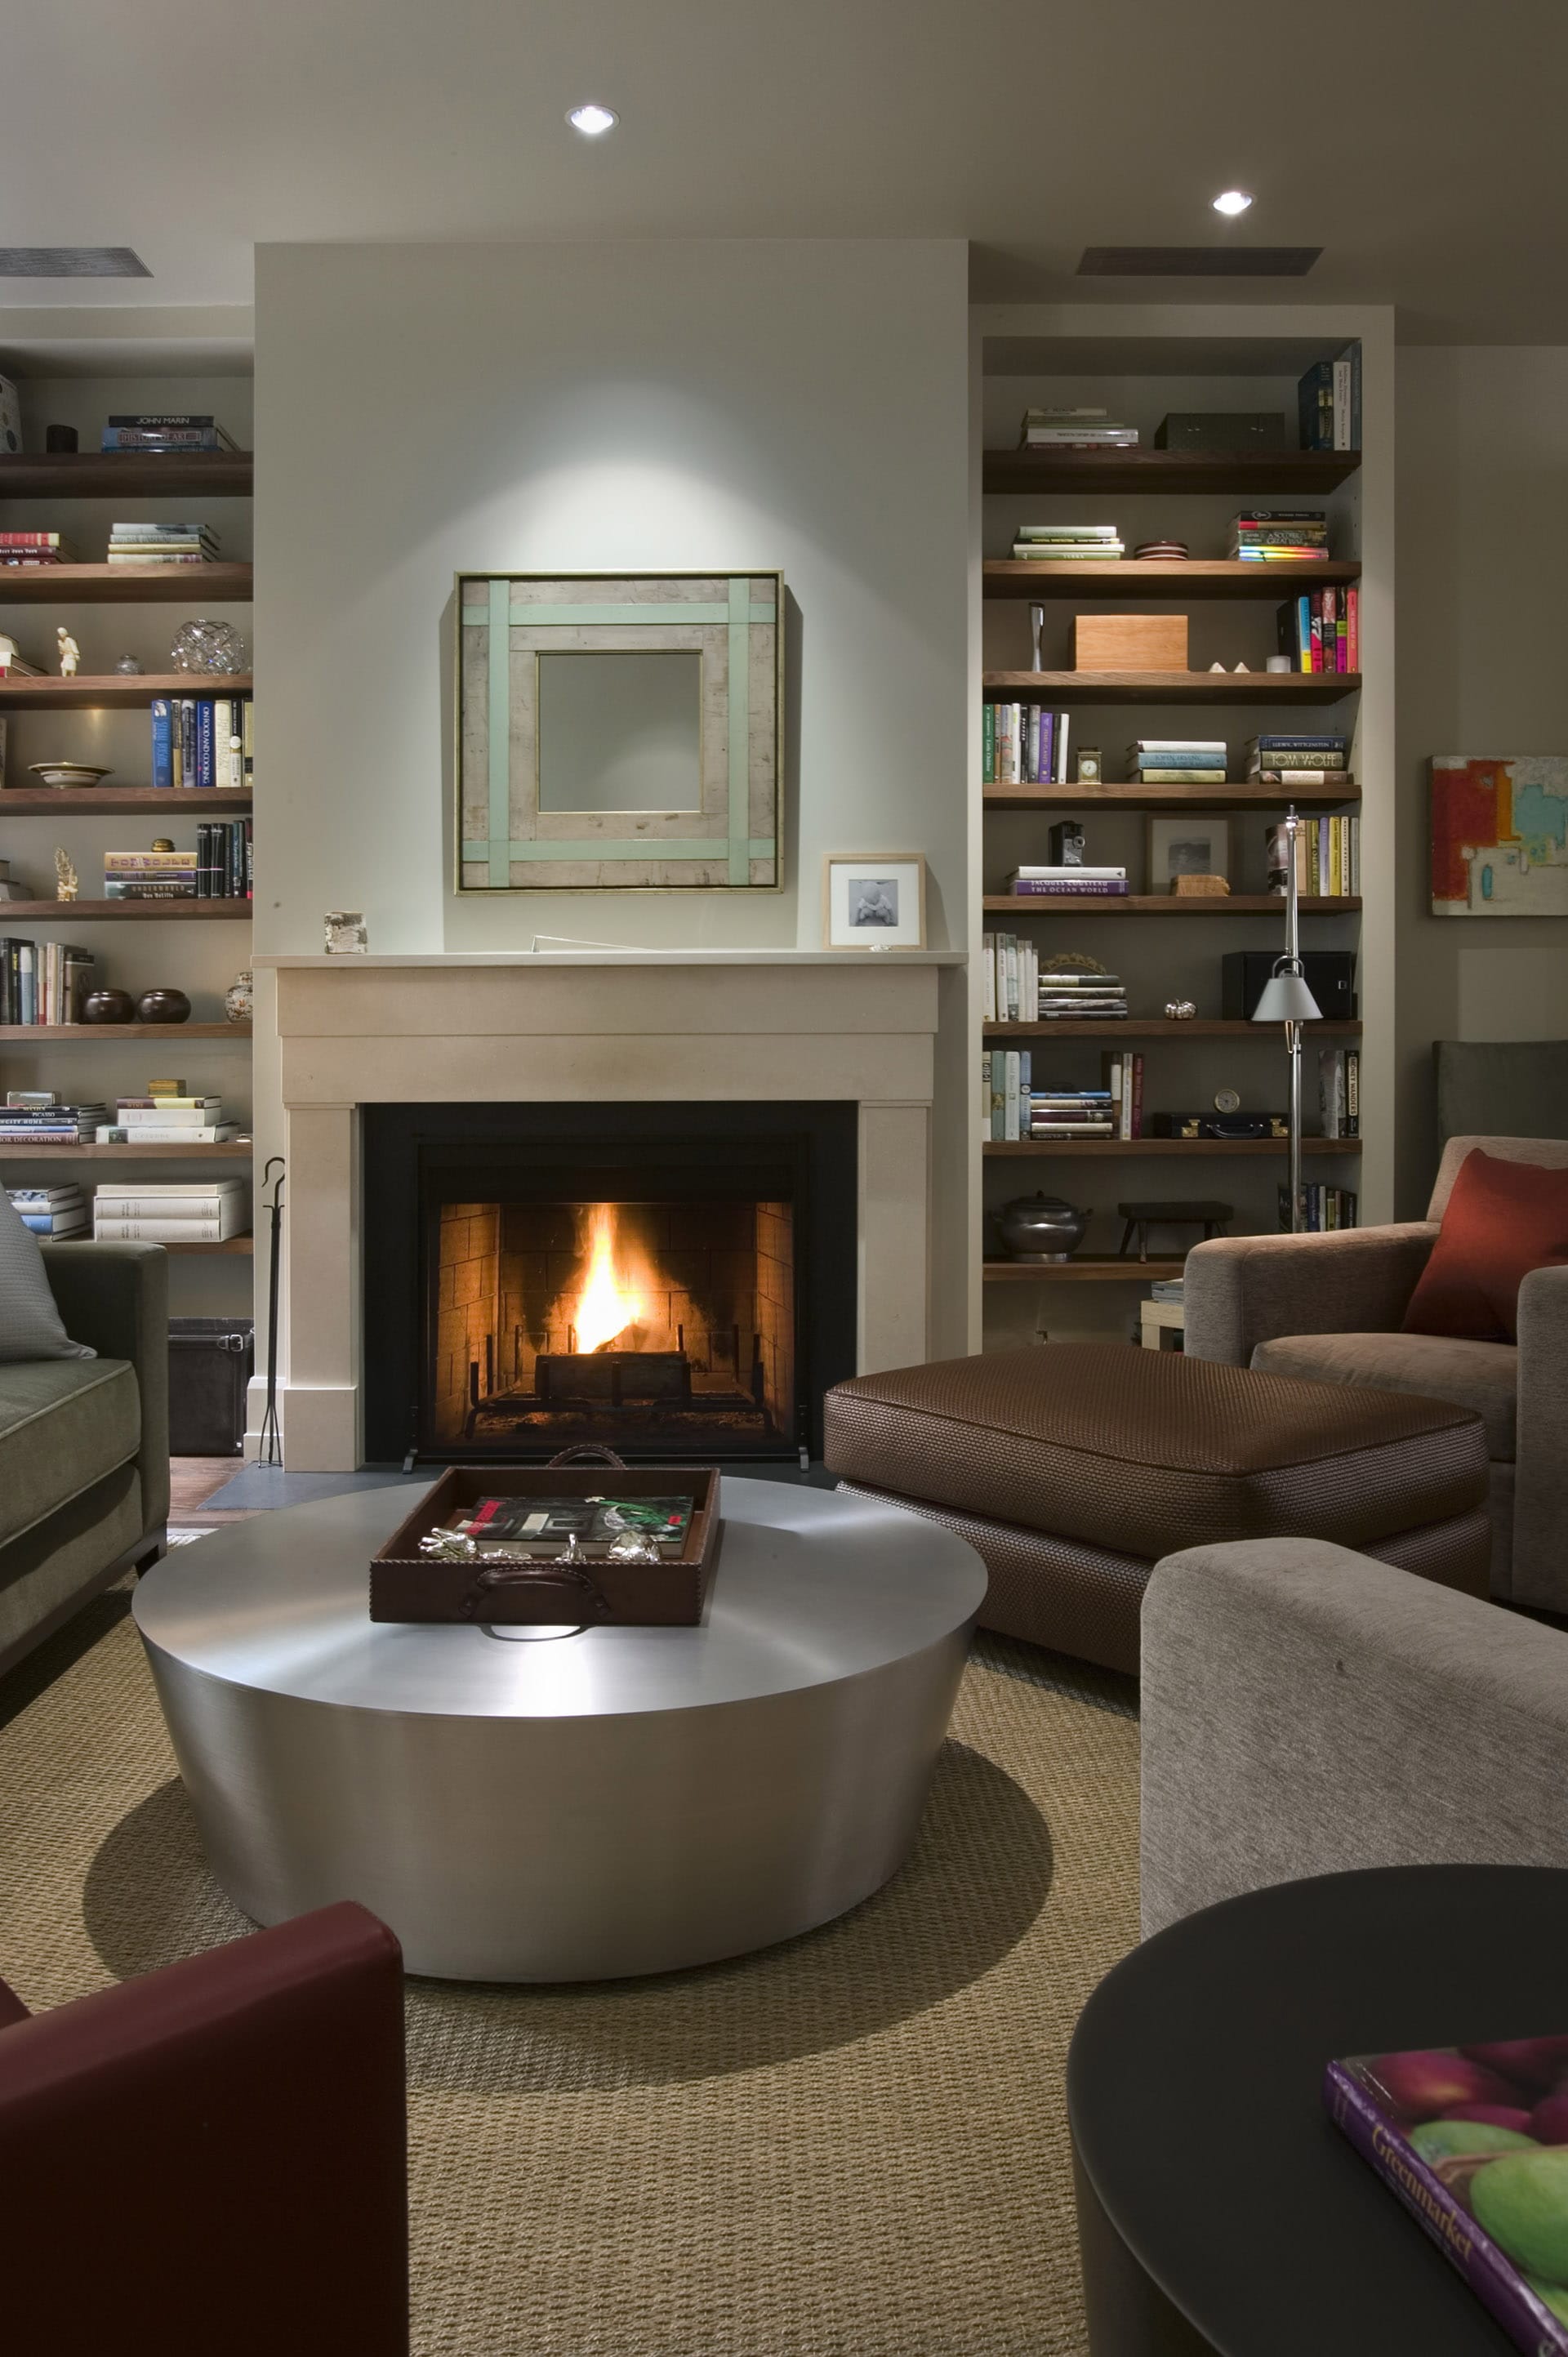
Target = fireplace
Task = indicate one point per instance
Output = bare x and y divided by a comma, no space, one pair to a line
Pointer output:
676,1281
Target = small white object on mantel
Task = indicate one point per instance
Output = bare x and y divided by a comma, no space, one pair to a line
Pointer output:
70,652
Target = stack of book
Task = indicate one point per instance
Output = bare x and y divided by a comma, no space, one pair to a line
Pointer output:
1328,856
1177,761
217,869
1280,536
1065,544
1070,996
1075,429
31,1117
206,1213
1122,1073
1321,630
1321,1208
43,981
162,544
1068,883
167,1117
1011,970
1005,1080
203,741
178,430
13,665
52,1211
1339,1090
1328,402
1023,744
1293,759
36,548
1071,1113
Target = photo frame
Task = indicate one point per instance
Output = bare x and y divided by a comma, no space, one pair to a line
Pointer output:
874,900
1196,843
619,731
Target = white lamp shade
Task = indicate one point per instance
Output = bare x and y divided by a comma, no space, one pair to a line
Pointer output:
1286,999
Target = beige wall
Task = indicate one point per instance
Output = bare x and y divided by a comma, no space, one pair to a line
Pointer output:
1483,524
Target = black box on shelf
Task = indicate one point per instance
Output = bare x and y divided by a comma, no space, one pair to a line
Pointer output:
210,1361
1221,431
1330,977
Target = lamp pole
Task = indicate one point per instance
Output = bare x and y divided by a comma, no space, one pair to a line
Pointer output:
1286,999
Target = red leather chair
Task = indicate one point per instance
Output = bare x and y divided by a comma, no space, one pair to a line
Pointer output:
213,2157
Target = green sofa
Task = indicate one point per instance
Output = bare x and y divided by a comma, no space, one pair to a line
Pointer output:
84,1473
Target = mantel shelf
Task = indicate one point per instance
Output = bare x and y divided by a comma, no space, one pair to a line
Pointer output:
1187,577
1164,797
1162,904
125,585
98,1035
1254,472
1072,1148
1173,686
117,692
245,1244
1165,1027
1084,1268
11,1150
50,801
147,474
117,912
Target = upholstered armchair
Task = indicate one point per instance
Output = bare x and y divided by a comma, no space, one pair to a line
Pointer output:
1329,1306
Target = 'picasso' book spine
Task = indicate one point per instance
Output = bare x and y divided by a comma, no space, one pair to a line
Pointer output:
1471,2250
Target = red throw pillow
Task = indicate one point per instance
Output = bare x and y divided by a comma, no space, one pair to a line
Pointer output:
1503,1220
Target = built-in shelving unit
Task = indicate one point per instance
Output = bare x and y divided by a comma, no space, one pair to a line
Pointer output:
1186,577
235,1150
120,912
118,802
1253,474
1156,797
125,585
102,1035
116,692
1085,1268
1171,687
138,473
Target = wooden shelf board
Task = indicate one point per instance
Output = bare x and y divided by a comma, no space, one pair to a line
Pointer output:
1254,471
245,1244
1162,904
115,691
125,585
114,913
1074,1146
1160,797
1164,1027
49,802
238,1151
1174,686
1187,577
1086,1268
105,475
96,1034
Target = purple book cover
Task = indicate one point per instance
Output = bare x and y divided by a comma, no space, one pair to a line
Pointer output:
1474,2141
1048,887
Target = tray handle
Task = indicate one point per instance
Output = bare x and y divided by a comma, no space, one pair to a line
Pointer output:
589,1452
583,1594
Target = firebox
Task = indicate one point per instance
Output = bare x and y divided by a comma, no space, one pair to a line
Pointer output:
675,1281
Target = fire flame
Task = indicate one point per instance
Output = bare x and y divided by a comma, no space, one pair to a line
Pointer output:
606,1303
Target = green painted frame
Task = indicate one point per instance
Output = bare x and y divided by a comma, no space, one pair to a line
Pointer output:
505,843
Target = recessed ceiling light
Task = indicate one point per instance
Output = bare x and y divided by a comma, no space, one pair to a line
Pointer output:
592,122
1231,202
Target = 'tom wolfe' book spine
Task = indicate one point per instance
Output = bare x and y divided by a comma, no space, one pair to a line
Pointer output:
1489,2275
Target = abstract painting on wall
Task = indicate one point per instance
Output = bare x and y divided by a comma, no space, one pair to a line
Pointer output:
1499,834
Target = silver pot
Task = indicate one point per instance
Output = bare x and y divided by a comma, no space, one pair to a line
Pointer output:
1041,1228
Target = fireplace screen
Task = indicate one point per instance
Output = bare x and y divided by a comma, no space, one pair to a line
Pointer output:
645,1324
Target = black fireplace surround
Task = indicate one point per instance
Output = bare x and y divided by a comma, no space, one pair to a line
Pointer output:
490,1232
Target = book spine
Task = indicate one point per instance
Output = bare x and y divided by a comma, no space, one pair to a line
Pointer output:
988,744
163,764
1137,1115
1010,1098
1463,2242
248,755
204,745
1036,888
1352,1093
1342,404
159,1231
1353,627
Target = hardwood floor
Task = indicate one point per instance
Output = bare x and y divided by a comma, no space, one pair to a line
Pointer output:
192,1480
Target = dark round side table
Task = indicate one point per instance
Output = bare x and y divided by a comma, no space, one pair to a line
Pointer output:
1220,2213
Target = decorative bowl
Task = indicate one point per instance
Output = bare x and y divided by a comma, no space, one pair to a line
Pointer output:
1042,1228
67,773
108,1006
163,1007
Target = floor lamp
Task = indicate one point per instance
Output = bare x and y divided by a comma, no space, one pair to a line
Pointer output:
1286,999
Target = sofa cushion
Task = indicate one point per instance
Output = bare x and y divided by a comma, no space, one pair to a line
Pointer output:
31,1324
1480,1375
1144,1451
1502,1218
64,1423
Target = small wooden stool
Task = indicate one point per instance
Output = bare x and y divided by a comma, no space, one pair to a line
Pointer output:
1141,1217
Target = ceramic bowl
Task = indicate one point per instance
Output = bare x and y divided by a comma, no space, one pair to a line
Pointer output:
67,773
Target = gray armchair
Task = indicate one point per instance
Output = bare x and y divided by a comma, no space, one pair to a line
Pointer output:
1328,1308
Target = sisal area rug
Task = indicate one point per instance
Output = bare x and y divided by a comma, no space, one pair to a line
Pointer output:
853,2145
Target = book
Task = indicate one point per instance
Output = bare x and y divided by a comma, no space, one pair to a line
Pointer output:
1074,870
167,1108
1491,2191
216,1133
1066,888
1064,553
1068,531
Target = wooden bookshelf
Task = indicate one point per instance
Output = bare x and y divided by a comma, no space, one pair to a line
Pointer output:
1164,1027
116,691
1186,577
1253,473
1166,904
95,1035
245,1245
1073,1148
1084,1268
239,1150
1158,797
115,912
1169,687
144,474
112,802
125,585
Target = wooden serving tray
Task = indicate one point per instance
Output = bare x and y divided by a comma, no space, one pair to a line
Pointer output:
408,1585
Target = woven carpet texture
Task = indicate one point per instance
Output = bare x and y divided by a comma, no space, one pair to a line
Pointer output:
851,2145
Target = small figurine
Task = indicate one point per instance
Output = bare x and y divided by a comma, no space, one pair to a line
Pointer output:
66,887
163,843
70,652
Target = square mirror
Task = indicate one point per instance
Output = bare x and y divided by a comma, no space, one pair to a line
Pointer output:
620,732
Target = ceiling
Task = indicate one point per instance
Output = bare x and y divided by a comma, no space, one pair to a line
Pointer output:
1417,141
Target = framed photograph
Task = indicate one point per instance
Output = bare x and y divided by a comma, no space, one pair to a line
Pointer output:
619,731
1499,834
874,900
1193,845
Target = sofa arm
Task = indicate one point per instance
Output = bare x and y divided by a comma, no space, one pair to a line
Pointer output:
115,1298
1541,1477
1306,1710
1243,1291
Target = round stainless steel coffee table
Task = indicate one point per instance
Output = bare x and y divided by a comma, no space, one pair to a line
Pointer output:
621,1800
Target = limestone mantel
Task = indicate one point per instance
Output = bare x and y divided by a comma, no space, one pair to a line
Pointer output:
667,1026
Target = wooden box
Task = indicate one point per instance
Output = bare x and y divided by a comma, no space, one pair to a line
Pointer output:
408,1585
1129,643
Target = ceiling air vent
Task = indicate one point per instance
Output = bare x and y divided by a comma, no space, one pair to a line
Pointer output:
1197,261
72,262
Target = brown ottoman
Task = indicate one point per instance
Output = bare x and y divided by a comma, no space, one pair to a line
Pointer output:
1072,1468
